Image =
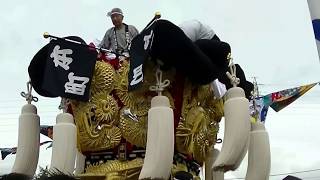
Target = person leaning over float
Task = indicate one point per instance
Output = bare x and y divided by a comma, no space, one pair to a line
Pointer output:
203,36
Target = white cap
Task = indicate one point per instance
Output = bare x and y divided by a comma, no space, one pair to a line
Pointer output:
115,11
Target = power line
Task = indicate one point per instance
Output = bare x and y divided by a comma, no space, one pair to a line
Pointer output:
296,172
16,105
281,174
316,177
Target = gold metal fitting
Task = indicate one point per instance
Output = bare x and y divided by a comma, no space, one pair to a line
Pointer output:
46,35
158,14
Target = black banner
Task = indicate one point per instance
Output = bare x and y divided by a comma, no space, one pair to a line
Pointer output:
67,70
139,52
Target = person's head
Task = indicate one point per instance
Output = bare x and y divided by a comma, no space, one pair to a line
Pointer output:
116,17
61,177
55,174
15,176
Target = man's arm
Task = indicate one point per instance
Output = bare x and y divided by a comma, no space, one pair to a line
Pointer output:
105,43
133,31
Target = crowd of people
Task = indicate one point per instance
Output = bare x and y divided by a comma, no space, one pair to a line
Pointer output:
18,176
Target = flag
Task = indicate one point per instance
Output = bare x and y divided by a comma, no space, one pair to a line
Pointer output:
47,131
139,52
281,99
4,154
45,142
7,151
50,146
314,7
291,178
258,110
63,68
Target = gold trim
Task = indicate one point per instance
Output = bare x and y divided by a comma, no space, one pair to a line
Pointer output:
197,129
116,170
94,136
134,131
103,78
106,108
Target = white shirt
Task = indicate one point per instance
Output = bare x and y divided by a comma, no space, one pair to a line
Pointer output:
195,30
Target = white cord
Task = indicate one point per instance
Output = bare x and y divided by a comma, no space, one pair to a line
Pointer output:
28,95
159,87
233,76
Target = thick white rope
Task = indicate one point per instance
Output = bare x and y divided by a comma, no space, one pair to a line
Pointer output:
28,96
159,87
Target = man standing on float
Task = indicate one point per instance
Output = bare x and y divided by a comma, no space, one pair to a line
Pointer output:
118,38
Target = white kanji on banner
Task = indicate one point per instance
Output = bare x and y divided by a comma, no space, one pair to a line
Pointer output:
76,84
60,57
137,75
147,40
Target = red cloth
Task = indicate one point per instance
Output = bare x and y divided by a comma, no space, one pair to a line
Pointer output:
177,94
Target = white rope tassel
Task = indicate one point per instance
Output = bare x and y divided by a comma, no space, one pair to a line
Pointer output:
159,87
237,126
242,154
210,173
64,143
160,139
259,158
80,163
29,137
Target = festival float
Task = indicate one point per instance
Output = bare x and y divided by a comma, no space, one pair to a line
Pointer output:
153,115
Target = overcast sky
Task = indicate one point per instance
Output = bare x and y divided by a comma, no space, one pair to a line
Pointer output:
271,39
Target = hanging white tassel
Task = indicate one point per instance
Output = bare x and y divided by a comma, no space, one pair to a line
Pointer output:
210,173
243,154
80,163
259,158
28,141
160,139
208,164
237,126
29,137
64,144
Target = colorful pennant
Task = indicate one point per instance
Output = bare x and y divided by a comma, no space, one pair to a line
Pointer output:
281,99
258,109
277,101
